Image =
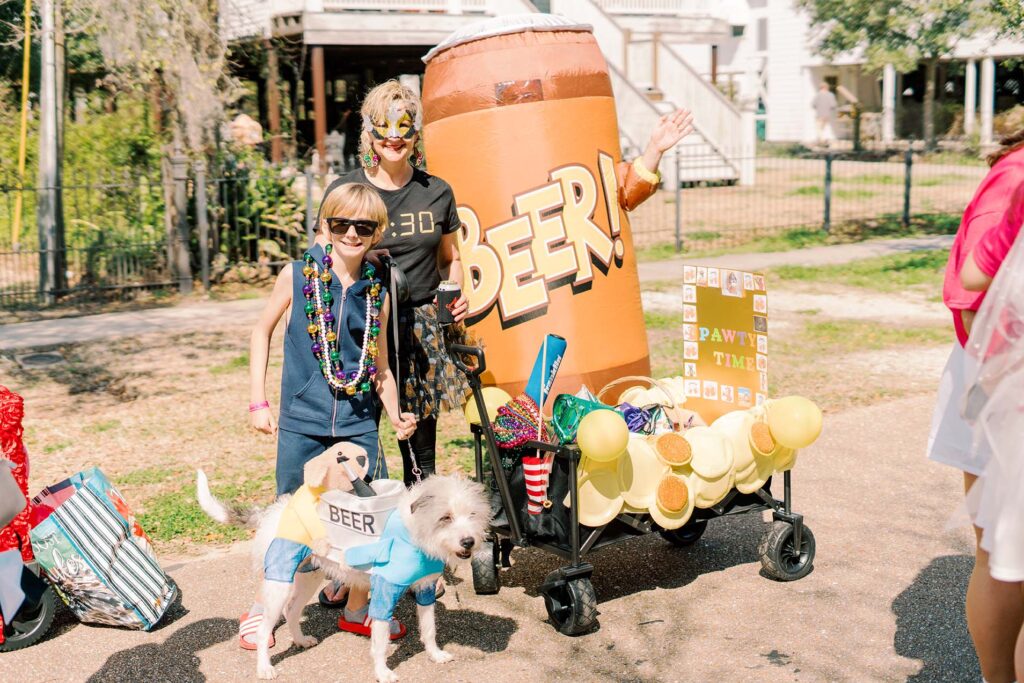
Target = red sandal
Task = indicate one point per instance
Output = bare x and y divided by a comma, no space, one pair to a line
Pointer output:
362,628
248,627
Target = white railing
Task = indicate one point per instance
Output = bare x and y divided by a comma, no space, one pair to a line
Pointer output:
713,115
675,8
446,6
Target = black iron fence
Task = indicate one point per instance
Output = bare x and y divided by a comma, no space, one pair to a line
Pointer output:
185,224
842,194
113,239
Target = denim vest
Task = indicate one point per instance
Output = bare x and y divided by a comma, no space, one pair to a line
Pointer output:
308,403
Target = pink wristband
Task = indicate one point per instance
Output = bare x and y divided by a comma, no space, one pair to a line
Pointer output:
253,407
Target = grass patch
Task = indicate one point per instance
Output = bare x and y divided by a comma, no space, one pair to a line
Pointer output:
51,448
807,191
941,179
833,337
887,225
659,320
176,515
703,235
870,179
146,475
658,252
236,363
852,194
894,273
102,426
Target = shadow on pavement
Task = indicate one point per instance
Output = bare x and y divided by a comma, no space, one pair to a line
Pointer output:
173,660
649,562
468,628
930,622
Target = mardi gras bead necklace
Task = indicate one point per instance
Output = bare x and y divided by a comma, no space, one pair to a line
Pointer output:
325,340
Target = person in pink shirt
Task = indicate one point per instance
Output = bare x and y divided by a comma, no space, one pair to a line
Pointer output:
995,611
995,502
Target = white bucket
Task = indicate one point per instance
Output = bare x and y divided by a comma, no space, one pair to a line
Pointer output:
352,521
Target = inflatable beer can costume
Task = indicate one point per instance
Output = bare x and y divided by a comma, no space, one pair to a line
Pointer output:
519,117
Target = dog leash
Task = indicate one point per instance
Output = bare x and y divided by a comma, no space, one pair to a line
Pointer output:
393,288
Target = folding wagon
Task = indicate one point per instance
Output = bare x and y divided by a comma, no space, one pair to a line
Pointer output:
786,550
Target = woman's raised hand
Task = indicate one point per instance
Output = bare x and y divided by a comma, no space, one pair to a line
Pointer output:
671,129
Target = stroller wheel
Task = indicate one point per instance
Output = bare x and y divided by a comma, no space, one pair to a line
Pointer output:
485,569
780,557
571,604
685,535
30,626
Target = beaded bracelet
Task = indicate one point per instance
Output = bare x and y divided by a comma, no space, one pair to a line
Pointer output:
253,407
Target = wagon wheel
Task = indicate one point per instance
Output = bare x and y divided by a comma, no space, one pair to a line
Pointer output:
571,604
780,557
686,535
485,569
29,627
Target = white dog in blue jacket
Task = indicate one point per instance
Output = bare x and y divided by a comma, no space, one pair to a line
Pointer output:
438,522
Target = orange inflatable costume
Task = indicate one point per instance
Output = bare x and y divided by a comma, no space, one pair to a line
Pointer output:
519,118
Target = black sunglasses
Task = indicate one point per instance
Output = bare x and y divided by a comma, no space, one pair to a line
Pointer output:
339,226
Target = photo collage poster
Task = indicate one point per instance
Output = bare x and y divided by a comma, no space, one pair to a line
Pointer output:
725,340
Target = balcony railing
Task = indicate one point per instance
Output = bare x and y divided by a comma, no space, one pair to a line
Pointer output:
443,6
673,8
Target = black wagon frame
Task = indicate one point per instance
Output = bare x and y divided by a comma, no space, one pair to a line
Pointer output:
786,550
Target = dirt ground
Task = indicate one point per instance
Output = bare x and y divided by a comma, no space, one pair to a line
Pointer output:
151,409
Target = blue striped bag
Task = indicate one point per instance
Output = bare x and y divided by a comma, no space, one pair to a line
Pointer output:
97,556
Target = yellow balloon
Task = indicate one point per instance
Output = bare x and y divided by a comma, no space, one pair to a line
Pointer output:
794,421
602,435
494,398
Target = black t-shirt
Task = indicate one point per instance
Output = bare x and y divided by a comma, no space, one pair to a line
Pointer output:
419,214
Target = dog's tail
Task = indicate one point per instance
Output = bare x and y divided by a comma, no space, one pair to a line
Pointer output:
234,514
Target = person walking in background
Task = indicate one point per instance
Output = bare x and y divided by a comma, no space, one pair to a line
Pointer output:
994,609
825,107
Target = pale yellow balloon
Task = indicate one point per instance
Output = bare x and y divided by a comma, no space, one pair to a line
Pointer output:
602,435
494,398
794,421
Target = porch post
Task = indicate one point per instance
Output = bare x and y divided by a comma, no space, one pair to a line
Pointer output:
273,88
988,96
888,104
970,96
320,107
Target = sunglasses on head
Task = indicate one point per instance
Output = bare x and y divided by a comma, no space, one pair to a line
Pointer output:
339,226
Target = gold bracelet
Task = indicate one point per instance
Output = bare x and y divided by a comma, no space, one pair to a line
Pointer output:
646,175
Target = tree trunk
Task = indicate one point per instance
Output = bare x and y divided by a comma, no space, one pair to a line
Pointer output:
929,102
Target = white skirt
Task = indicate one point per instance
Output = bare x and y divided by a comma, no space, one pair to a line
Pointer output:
950,440
996,501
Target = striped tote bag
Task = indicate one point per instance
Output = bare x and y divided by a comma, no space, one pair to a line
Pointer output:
96,554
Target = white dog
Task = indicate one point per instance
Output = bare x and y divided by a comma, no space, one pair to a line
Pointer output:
444,517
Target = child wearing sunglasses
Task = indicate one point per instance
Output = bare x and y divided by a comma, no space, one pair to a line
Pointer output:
335,358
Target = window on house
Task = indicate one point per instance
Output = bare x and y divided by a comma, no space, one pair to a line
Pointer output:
762,34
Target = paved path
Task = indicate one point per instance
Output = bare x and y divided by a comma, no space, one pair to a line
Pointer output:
884,602
209,315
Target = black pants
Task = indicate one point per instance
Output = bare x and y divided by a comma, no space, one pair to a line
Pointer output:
423,445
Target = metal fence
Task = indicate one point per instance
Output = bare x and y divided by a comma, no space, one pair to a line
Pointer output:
843,194
114,241
130,232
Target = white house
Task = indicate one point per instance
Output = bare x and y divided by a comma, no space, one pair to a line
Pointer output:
732,62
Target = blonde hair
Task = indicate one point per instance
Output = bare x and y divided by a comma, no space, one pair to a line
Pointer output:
375,108
356,200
